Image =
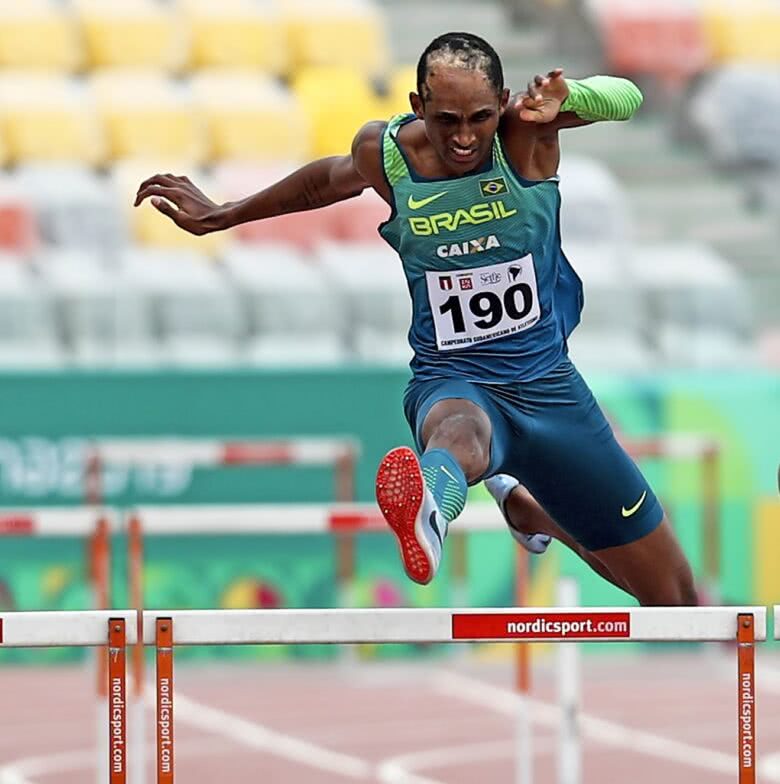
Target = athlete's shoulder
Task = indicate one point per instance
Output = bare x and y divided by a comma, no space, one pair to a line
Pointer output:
367,153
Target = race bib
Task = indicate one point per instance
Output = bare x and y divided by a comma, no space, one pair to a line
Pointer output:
476,305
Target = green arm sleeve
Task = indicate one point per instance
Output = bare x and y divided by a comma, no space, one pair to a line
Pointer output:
602,98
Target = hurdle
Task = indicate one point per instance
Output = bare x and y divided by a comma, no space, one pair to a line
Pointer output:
165,630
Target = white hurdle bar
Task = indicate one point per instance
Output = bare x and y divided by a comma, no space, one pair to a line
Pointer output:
403,625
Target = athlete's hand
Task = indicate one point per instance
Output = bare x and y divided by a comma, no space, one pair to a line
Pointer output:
185,204
542,100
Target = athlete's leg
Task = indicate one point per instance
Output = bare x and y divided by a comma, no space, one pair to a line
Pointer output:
525,514
653,567
463,429
420,497
632,567
593,491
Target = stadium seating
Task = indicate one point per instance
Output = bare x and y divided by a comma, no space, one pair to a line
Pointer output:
237,34
291,311
148,115
723,111
132,34
74,207
28,337
402,81
17,221
374,297
610,336
743,30
337,101
594,206
194,311
347,33
35,103
104,322
38,34
358,219
248,117
665,38
698,308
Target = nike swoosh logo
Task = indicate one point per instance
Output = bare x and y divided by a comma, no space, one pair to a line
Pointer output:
416,205
628,512
448,474
432,522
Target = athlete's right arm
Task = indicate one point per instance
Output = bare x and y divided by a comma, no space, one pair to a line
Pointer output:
317,184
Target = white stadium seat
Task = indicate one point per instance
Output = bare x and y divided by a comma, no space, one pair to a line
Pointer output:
105,321
28,333
74,206
698,305
375,298
195,312
291,311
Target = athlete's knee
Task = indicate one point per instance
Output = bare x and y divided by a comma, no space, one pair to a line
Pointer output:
464,435
675,588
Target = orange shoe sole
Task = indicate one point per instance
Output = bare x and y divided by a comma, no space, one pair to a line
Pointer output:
399,492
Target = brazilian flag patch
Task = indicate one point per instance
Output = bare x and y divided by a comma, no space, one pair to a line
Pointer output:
493,187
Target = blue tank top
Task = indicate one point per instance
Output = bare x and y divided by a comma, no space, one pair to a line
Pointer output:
493,296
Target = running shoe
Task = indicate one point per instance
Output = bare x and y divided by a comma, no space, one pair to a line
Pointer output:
411,512
500,486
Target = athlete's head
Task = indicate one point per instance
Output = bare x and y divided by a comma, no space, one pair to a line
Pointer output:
460,97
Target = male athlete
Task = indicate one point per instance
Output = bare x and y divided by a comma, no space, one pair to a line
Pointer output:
471,180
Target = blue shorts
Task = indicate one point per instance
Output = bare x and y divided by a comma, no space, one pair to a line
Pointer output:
551,435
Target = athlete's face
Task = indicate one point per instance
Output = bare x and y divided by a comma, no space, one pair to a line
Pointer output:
461,111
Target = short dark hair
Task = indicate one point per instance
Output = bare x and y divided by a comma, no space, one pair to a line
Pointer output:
465,50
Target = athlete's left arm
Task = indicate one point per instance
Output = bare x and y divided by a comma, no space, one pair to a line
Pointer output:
551,103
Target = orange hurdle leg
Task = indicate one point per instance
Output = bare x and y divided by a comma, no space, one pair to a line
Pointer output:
746,699
117,702
164,642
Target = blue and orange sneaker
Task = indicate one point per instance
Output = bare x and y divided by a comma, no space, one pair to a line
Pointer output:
411,512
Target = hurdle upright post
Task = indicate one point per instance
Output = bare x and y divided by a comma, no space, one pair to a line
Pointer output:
117,702
746,698
164,723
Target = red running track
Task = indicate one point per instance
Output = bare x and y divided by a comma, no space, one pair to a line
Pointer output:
647,718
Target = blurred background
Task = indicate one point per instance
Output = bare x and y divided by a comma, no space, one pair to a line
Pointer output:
114,323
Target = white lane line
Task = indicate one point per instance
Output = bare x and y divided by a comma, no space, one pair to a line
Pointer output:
257,736
22,771
399,770
610,733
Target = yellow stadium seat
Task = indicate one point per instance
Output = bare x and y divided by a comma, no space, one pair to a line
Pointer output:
148,226
38,34
49,118
146,114
250,117
337,102
348,33
132,33
236,34
402,81
747,30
